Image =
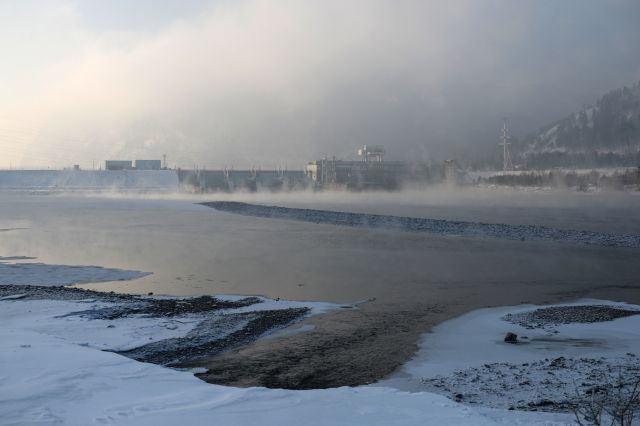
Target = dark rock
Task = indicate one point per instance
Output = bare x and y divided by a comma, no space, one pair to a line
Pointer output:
558,362
541,403
552,316
511,338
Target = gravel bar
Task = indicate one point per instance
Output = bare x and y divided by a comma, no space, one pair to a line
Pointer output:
431,226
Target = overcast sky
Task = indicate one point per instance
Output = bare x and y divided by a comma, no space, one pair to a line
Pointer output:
275,83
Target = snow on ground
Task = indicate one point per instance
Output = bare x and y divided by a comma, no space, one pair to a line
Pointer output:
48,317
159,329
316,308
467,358
41,274
80,386
52,372
58,366
52,317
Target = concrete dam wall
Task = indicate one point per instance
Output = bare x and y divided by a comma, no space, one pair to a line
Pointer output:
89,180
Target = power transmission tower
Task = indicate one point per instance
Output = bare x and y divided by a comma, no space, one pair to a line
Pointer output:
507,164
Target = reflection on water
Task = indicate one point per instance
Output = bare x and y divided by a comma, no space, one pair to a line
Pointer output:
192,249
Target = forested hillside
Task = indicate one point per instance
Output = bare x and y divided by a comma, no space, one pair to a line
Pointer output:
605,134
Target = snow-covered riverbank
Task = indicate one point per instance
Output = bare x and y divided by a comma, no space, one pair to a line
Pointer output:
72,356
53,371
562,351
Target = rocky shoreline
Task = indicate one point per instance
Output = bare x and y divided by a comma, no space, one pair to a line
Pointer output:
217,329
222,349
555,384
549,317
431,226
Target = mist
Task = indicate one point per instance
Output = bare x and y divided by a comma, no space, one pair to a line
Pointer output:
254,82
260,247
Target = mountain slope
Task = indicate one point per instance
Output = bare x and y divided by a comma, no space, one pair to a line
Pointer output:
612,125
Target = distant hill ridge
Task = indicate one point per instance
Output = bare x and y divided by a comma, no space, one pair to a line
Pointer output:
606,134
612,125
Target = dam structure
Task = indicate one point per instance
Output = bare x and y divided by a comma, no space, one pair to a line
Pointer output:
89,180
370,172
249,180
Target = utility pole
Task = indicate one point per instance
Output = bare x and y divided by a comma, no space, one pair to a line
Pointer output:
507,164
164,160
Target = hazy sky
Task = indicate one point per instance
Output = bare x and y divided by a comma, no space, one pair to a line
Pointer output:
270,82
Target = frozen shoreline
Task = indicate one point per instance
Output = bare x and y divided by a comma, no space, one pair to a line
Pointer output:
432,279
159,329
18,270
53,369
577,345
60,364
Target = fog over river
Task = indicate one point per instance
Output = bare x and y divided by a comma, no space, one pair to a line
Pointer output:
408,281
192,249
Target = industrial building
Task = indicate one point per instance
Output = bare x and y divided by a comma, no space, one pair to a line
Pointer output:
355,175
118,165
128,165
229,180
370,172
148,165
47,181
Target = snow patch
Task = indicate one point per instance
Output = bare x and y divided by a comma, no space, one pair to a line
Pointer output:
545,365
42,274
51,373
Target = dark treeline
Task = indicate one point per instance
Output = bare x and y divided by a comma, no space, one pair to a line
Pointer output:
553,159
628,179
549,160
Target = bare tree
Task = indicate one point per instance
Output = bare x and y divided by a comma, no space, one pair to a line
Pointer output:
589,407
616,400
